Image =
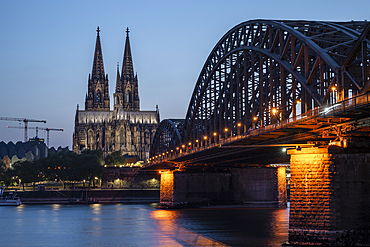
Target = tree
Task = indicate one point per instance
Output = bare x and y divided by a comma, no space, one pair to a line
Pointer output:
115,158
5,175
27,171
59,166
92,164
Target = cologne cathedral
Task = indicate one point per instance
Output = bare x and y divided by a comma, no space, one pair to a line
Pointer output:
126,128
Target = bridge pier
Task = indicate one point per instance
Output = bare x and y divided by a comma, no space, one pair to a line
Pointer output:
247,187
330,194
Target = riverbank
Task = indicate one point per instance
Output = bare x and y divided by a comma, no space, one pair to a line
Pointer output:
84,196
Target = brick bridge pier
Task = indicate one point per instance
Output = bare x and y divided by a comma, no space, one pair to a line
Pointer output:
330,193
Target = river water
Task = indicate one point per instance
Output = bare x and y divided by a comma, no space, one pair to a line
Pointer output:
140,225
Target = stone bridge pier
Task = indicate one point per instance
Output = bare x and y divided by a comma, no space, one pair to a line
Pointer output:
248,186
329,195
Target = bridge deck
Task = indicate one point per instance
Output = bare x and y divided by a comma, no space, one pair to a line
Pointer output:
317,125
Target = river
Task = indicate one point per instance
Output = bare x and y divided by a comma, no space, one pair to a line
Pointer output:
140,225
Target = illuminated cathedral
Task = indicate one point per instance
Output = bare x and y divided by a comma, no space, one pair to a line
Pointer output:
126,128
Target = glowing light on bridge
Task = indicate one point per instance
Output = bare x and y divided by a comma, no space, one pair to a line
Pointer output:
274,111
226,129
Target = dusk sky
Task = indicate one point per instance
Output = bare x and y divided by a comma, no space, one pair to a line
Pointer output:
47,50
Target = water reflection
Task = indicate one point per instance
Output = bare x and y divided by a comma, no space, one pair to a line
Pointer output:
279,223
222,227
55,207
183,236
141,225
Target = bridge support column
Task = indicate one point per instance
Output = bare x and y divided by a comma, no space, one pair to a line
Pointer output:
248,187
329,194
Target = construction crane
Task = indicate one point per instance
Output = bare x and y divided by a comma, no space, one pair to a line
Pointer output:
37,131
25,121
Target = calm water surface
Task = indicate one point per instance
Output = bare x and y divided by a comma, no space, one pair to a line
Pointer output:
140,225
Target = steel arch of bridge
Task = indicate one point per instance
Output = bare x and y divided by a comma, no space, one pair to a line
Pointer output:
167,137
264,71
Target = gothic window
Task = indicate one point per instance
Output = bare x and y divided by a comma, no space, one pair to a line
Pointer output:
146,137
90,141
122,138
128,97
98,97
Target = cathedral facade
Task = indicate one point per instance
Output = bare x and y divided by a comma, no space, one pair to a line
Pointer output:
125,128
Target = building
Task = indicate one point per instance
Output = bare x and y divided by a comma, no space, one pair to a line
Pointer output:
126,128
33,149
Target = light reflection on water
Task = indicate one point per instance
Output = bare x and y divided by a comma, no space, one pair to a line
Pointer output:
140,225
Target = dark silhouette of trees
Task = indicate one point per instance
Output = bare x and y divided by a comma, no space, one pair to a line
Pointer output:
63,166
115,158
60,166
5,174
27,171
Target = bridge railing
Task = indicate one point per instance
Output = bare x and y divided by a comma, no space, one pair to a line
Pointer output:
324,111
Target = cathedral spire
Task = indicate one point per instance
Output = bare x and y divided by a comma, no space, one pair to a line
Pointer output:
98,88
98,66
118,84
127,65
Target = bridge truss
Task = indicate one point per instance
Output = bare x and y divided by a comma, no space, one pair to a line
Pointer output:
262,72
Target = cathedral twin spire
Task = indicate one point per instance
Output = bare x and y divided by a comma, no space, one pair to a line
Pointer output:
98,65
97,98
126,95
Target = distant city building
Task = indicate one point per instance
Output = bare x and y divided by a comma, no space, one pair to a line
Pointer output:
33,149
126,128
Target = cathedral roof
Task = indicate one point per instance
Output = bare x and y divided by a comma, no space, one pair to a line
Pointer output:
98,65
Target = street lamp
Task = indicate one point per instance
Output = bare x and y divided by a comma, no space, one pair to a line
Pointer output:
226,130
215,136
238,129
274,111
333,88
254,122
274,116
